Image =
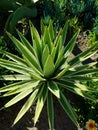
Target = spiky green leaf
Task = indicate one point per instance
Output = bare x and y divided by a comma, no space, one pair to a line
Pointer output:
51,30
62,72
26,106
68,109
53,87
15,77
49,67
40,103
47,39
76,70
26,52
59,58
12,86
36,39
45,55
82,78
84,55
50,110
25,42
64,32
15,58
28,85
20,69
69,47
53,53
72,85
88,71
18,97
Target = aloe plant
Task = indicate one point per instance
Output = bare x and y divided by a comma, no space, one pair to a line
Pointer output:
44,71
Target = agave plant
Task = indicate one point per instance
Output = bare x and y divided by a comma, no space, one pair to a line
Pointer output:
44,71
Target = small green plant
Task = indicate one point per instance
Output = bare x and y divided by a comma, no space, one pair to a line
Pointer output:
44,71
93,34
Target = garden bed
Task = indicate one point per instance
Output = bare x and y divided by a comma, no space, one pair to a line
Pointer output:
62,121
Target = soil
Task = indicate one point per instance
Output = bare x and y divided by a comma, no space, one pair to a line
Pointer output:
62,121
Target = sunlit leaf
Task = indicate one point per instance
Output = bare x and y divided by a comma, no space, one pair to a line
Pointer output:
28,85
18,97
53,87
15,77
40,103
45,54
49,67
36,39
51,30
25,51
26,106
64,32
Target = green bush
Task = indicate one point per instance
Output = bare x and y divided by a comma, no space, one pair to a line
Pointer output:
44,70
60,10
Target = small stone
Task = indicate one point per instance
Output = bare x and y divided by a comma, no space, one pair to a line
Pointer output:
32,128
80,129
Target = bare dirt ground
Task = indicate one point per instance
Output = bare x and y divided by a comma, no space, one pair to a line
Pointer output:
62,122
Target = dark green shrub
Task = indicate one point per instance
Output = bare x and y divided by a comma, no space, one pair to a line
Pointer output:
17,9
